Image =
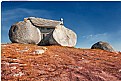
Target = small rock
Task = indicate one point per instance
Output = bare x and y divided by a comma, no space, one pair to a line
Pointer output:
22,64
14,63
119,70
6,63
14,67
56,55
16,60
39,51
44,48
82,58
103,45
24,50
3,45
18,74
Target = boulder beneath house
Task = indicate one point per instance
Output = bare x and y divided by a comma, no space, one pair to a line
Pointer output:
24,32
65,37
42,32
103,45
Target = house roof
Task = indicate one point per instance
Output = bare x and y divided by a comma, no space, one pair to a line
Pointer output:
40,22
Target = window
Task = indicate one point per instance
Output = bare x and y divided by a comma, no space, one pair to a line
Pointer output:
48,28
44,35
42,28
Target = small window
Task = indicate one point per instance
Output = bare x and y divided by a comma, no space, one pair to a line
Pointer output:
42,28
44,35
48,28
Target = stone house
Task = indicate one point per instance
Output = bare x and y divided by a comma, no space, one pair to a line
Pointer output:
51,32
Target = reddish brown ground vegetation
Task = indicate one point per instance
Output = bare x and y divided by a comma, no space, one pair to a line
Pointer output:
20,63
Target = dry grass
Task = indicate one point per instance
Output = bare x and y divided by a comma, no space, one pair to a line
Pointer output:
58,63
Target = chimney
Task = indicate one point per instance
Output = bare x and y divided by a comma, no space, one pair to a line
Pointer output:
61,19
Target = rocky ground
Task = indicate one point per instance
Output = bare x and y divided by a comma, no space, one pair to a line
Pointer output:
25,62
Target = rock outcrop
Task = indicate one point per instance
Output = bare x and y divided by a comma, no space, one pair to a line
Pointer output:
103,45
27,62
42,32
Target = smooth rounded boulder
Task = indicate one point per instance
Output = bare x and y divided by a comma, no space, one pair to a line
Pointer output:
24,32
103,45
65,37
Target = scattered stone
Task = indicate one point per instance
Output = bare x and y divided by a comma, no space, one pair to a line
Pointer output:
39,51
14,67
22,64
103,45
24,50
18,74
56,55
14,63
44,48
82,58
16,60
5,63
4,45
119,70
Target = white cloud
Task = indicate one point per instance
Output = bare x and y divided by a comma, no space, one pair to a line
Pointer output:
12,16
113,38
22,12
96,36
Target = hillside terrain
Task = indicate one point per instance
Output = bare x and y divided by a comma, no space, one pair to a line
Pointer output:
27,62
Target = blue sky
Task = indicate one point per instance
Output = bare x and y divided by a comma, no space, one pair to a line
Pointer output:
91,21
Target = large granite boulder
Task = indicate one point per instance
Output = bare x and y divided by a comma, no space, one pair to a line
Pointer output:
103,45
24,32
65,36
42,32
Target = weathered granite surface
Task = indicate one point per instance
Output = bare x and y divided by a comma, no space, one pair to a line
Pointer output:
65,36
24,32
